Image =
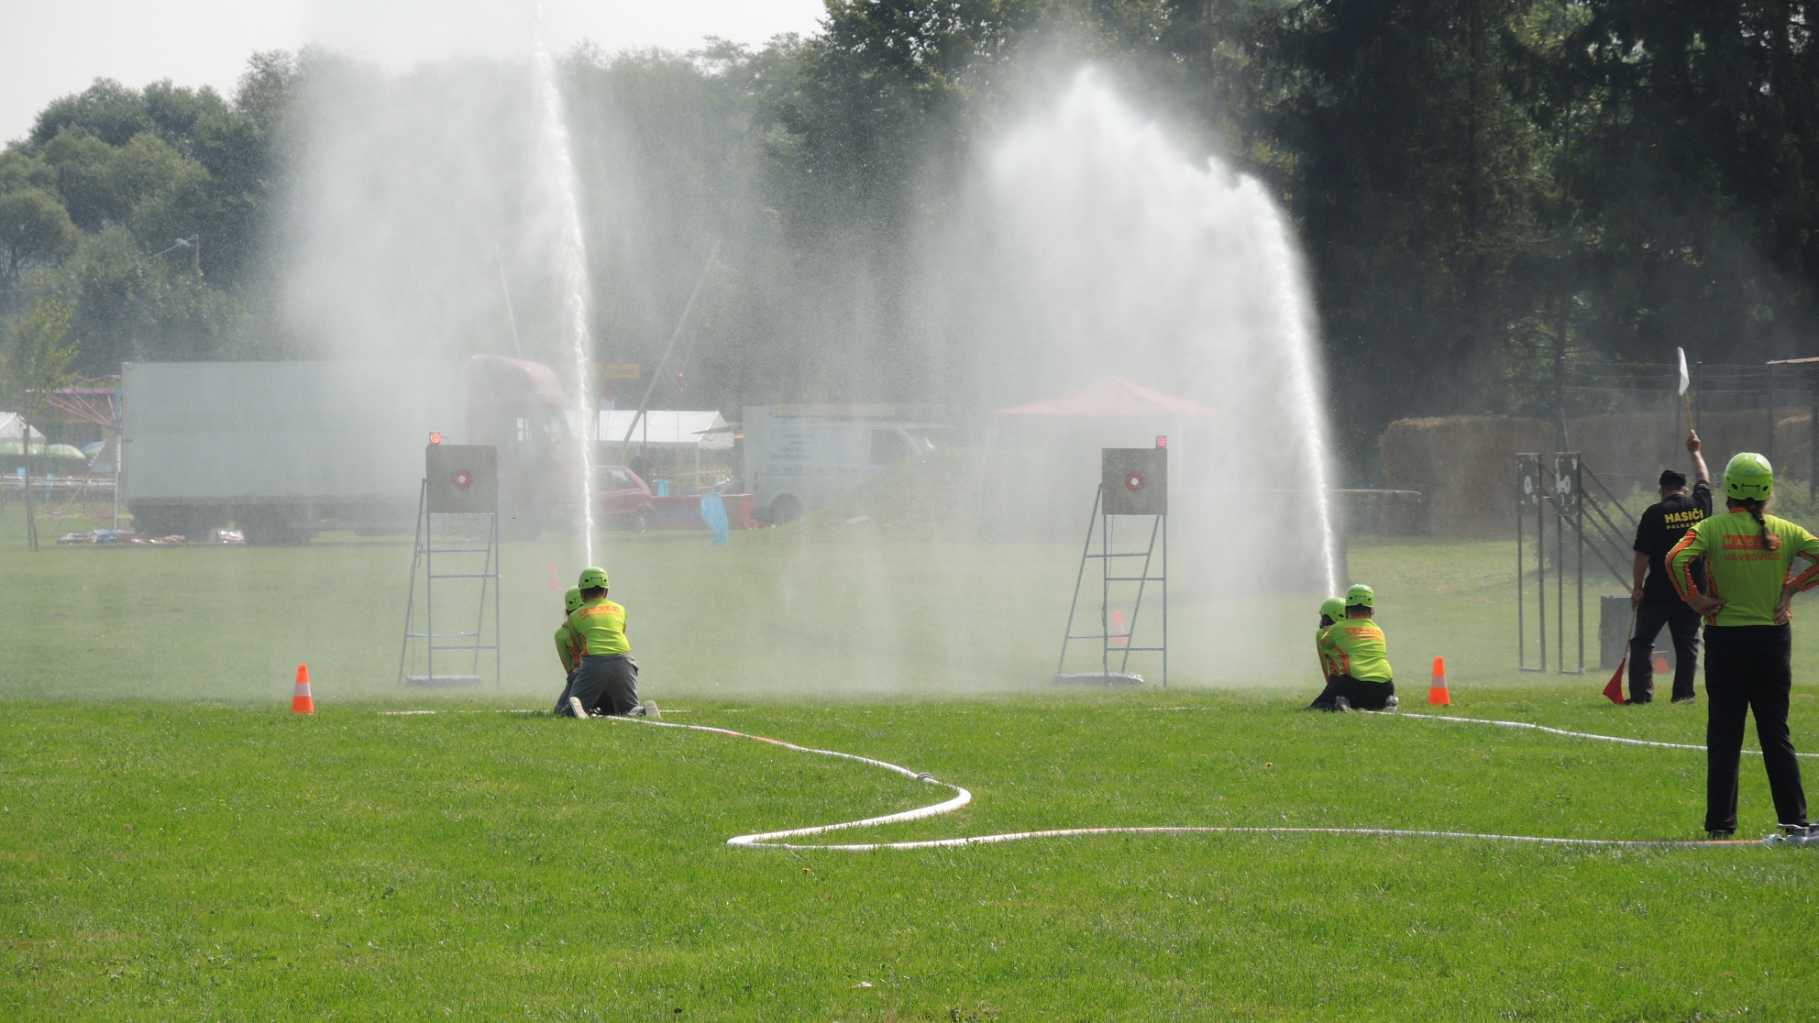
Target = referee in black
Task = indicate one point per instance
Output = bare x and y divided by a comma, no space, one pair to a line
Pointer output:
1654,600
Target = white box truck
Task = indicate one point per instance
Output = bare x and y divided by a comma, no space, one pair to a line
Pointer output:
802,457
285,449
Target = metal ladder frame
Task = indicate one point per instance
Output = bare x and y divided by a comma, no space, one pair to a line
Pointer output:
1105,556
423,553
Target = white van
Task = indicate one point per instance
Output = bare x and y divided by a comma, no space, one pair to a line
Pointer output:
802,457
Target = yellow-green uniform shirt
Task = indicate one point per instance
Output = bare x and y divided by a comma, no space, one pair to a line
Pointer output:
1738,571
1326,664
600,627
1357,647
567,645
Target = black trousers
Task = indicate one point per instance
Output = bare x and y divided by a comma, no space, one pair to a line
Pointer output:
568,686
605,684
1749,668
1683,625
1361,695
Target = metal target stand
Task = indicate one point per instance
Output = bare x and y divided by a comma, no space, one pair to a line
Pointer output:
1134,484
459,479
1593,525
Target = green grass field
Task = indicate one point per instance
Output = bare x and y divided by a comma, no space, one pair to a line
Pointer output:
175,845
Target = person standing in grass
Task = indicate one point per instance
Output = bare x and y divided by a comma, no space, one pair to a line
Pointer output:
1747,605
1651,595
568,645
606,681
1357,658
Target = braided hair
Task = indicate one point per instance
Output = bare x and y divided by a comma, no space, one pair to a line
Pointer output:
1769,540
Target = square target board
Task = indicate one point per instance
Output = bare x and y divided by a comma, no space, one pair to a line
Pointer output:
1135,480
463,478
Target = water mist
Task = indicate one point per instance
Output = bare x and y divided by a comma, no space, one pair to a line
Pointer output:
559,179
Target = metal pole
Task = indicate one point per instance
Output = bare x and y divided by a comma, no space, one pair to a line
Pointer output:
1541,566
1086,548
1142,582
429,592
1579,509
119,462
480,612
410,601
688,309
1165,601
1521,624
1559,584
498,603
1105,596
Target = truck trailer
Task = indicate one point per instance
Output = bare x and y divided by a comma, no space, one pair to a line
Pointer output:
287,449
802,457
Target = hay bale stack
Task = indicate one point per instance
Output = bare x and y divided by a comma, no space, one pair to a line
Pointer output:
1464,464
1628,450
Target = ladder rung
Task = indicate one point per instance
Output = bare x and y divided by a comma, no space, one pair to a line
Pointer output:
1135,578
1144,649
441,635
464,649
1134,554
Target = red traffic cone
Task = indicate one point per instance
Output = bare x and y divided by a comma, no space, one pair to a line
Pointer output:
1121,635
301,700
1437,693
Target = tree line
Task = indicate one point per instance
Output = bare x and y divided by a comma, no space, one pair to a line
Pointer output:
1484,189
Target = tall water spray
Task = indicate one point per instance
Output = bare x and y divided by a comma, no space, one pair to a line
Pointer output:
563,188
1096,252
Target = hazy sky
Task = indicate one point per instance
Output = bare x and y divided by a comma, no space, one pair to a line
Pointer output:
49,48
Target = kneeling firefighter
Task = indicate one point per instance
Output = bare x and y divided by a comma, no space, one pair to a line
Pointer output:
1748,641
1331,610
1357,658
606,679
568,645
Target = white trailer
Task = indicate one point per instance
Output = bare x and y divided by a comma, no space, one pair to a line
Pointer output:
285,449
802,457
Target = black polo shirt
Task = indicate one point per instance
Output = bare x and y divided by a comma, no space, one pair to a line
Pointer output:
1661,527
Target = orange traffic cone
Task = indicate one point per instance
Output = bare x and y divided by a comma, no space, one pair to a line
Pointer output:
1437,693
301,700
1120,635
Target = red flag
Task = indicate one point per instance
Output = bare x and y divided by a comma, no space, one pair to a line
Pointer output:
1613,690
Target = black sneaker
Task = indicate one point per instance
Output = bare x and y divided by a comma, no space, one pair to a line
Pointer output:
1341,704
1682,699
1389,702
1720,834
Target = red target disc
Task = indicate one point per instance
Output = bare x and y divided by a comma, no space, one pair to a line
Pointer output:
1133,482
464,479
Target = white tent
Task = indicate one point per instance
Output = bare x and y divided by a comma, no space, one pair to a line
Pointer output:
12,428
666,428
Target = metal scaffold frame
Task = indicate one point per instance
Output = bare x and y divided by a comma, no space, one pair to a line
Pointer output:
1155,556
425,551
1587,518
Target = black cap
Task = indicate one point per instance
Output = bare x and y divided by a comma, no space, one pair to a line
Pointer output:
1672,479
